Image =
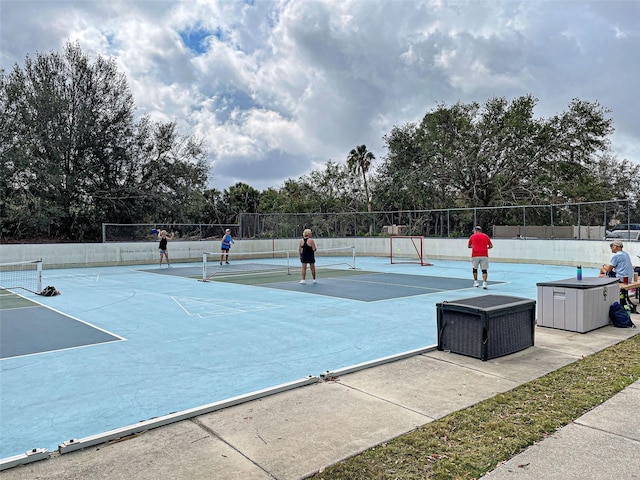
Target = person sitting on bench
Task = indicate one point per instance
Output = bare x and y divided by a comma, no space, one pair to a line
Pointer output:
620,264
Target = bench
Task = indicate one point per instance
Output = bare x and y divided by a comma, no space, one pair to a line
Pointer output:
625,287
630,286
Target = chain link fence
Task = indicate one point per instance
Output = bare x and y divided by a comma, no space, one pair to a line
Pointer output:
587,220
144,232
582,221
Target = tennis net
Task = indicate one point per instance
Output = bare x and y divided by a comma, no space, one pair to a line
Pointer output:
275,261
26,275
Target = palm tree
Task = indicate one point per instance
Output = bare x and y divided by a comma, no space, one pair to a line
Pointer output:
359,160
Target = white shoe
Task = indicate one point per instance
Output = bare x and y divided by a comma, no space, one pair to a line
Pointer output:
484,285
475,284
303,282
315,281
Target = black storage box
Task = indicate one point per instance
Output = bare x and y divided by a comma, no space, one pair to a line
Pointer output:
486,327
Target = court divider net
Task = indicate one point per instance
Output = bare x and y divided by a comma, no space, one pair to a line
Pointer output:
274,261
407,249
25,275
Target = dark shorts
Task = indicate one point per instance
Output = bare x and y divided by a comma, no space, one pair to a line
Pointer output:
307,259
225,249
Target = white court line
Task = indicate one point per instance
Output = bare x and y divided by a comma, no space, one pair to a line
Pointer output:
205,308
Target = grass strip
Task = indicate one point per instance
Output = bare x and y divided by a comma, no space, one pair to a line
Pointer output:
471,442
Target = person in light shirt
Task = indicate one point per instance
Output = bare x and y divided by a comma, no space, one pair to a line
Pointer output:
620,264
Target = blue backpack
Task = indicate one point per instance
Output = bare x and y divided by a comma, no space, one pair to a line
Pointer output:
620,317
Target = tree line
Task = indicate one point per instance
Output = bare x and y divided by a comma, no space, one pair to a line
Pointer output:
73,156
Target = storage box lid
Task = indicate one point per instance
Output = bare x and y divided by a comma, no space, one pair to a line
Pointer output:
586,282
489,302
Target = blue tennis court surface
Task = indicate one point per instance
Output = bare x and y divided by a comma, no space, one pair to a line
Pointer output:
167,343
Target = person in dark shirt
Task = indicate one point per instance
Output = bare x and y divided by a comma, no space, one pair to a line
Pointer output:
307,250
162,247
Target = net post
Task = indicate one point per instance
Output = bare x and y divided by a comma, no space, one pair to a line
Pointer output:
288,263
39,278
204,266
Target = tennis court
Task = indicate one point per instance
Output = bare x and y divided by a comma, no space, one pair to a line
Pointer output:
149,341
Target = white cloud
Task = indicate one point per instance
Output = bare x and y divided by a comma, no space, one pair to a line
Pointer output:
278,87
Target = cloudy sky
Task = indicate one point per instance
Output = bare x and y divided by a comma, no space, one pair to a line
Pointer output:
279,87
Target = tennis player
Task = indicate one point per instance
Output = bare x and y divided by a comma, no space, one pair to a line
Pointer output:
307,250
479,243
162,248
227,241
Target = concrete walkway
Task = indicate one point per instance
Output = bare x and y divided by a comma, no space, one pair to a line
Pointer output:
291,435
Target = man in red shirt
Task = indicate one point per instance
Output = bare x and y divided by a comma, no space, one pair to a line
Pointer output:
480,243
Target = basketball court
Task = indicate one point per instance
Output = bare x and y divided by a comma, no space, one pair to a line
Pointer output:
122,345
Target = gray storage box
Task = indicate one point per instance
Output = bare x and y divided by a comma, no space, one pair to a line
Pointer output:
486,327
576,305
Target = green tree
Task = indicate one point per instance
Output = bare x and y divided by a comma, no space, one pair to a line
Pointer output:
580,140
359,161
173,172
213,210
398,184
72,156
297,195
66,117
493,155
270,201
509,151
333,189
240,198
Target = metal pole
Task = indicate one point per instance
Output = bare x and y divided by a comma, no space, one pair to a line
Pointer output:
629,219
579,213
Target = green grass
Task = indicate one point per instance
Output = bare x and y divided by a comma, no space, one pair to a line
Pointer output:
471,442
